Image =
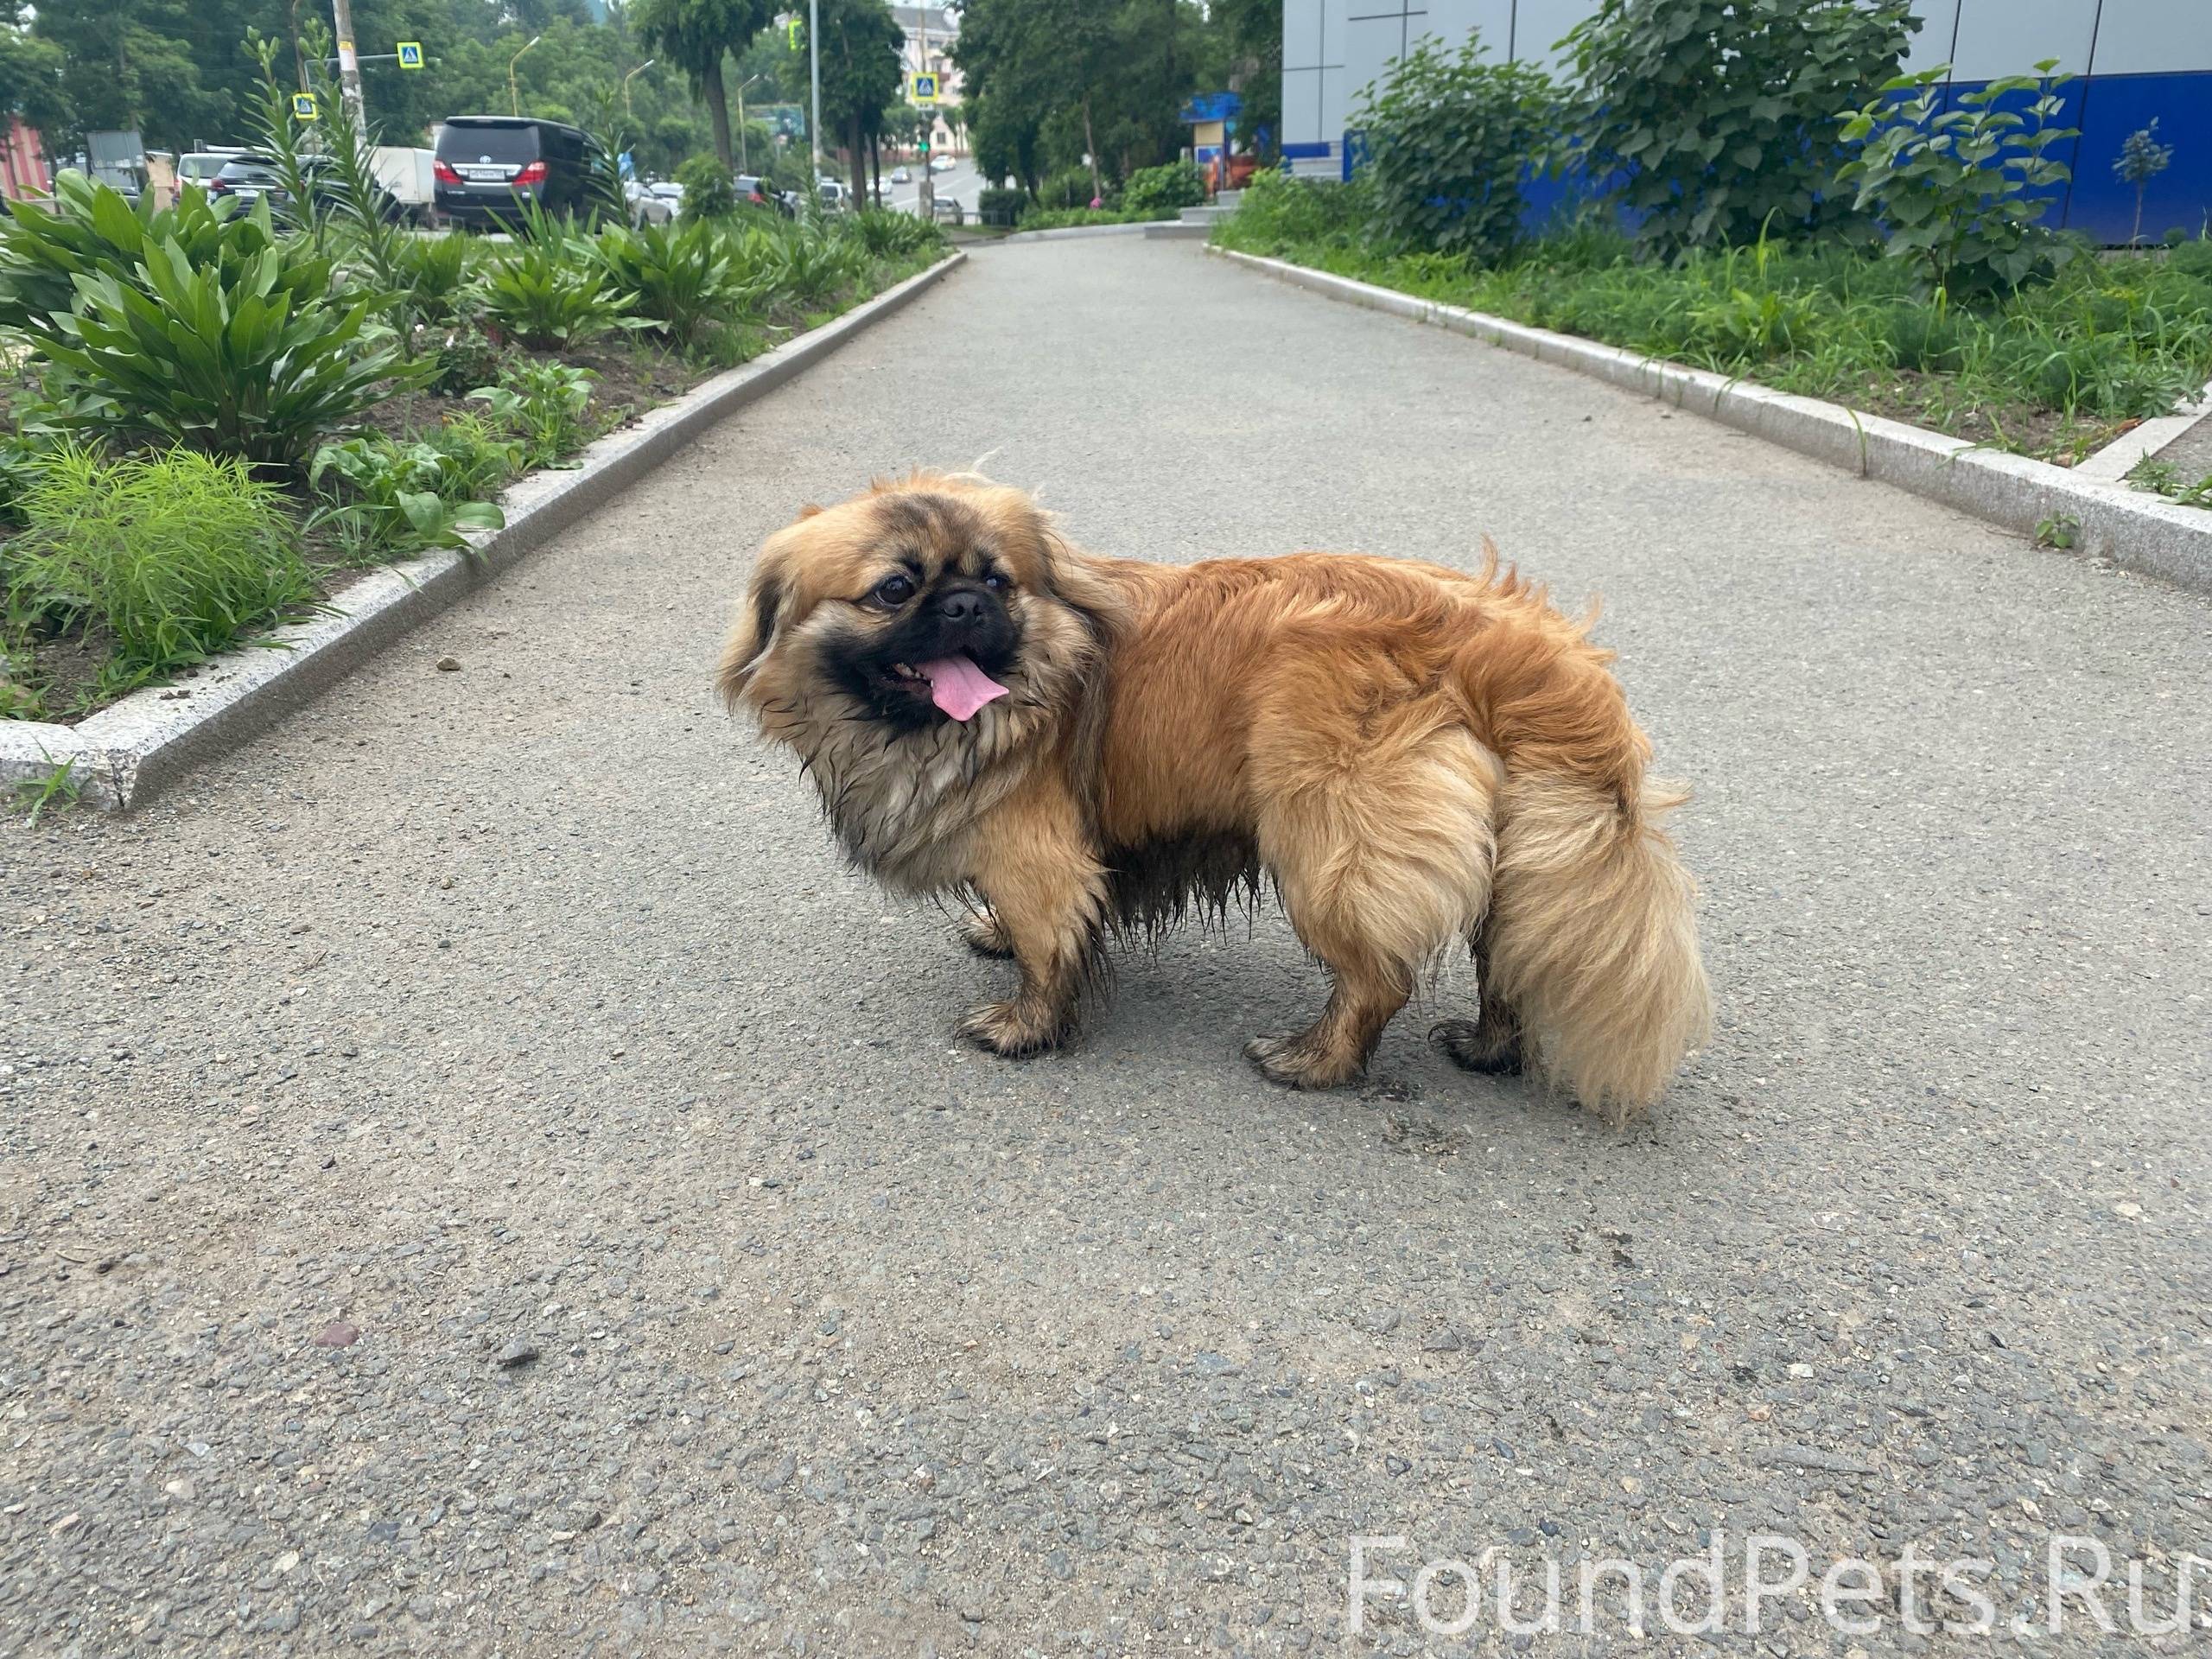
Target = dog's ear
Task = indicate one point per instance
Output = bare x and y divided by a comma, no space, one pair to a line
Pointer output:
810,510
755,631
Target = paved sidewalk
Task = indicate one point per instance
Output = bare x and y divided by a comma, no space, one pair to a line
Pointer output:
524,1009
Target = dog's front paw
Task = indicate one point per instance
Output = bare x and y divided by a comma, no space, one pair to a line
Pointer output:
1292,1063
1471,1048
1013,1029
986,935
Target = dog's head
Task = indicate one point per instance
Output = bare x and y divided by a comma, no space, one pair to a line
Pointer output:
921,603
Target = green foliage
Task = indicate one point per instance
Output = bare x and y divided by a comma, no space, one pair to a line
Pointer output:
887,235
1160,192
173,556
1065,187
434,272
1715,119
2141,159
683,275
2164,477
2047,369
545,291
996,206
695,35
386,499
1960,190
1448,136
709,190
60,785
1281,215
546,406
198,326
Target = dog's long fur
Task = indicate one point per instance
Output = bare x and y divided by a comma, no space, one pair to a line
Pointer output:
1417,758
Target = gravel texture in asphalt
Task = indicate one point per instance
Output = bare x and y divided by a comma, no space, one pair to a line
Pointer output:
477,1177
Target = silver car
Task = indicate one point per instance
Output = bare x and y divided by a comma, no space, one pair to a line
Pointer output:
647,206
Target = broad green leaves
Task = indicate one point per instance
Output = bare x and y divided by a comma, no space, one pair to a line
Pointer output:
1712,121
1961,190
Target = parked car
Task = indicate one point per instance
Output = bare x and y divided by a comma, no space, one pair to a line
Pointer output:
647,206
489,166
836,198
199,166
760,192
900,175
946,211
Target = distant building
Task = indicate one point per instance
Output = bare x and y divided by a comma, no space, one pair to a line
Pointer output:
930,32
2136,59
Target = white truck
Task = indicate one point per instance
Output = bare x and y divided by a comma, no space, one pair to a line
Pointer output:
407,174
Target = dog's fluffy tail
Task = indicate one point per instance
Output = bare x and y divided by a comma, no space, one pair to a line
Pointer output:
1592,938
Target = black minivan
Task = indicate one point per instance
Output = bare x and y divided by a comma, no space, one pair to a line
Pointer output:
488,165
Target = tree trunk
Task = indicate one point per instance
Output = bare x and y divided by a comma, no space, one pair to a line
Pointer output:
1090,149
875,167
860,162
710,87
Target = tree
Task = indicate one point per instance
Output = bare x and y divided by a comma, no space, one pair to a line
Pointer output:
1051,82
695,35
860,74
30,77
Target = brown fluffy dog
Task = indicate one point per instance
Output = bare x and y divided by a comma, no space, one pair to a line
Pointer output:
1419,759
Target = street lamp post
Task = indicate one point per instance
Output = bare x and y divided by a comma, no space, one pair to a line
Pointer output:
514,96
814,68
628,79
744,160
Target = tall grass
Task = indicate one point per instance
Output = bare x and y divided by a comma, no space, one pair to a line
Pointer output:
174,556
2107,341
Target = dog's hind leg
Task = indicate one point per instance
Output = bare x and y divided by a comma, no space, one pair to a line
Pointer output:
1490,1043
1381,851
1047,891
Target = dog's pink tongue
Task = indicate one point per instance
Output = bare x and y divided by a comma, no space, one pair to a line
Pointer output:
958,686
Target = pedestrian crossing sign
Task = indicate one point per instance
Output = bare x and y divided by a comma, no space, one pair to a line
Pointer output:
790,33
410,54
303,106
924,88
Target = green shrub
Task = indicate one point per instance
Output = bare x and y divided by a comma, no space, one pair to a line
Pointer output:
174,557
1282,214
888,235
400,498
1712,118
709,190
994,206
683,275
545,405
1448,136
813,264
1164,191
435,272
1069,186
546,290
197,324
1960,190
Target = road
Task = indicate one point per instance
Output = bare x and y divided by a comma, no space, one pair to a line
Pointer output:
523,1010
960,183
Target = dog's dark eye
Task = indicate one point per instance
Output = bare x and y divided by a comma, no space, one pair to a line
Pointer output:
893,590
996,582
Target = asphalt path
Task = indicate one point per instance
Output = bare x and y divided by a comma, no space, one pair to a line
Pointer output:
476,1176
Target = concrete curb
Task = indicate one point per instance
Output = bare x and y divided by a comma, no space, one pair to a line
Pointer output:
2126,526
127,753
1065,232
